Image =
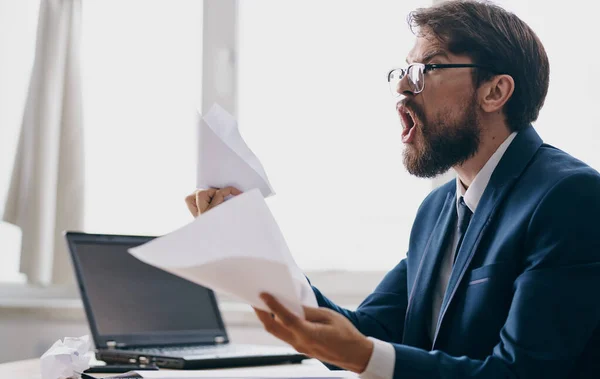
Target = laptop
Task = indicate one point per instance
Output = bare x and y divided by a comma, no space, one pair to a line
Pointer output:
139,314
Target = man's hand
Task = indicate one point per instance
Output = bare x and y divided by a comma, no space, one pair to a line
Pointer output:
203,200
325,334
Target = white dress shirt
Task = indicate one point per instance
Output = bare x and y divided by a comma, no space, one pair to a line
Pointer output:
383,359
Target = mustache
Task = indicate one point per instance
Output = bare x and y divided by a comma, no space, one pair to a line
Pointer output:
413,107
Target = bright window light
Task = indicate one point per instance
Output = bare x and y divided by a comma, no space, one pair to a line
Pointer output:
315,106
142,65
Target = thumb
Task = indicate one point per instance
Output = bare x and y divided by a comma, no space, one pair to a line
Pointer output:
320,315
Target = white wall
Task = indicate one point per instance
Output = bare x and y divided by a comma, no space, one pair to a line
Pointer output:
28,333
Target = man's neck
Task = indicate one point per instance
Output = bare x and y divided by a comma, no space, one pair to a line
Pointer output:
491,139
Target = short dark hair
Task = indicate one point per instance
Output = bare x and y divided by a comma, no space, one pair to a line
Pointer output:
493,37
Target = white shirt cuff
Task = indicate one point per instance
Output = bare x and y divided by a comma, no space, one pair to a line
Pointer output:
382,361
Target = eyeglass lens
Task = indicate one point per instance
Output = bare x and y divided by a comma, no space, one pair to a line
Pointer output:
415,79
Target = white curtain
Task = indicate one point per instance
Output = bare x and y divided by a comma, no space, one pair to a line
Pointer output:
46,192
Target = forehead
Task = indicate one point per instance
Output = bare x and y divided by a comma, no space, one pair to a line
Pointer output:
426,47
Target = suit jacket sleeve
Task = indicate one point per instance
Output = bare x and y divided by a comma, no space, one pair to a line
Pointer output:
381,314
555,308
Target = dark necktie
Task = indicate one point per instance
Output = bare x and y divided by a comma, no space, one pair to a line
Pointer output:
462,223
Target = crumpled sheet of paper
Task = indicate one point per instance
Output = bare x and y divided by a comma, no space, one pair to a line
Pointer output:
224,158
67,358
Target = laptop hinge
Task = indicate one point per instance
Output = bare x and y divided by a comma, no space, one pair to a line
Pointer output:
219,339
114,344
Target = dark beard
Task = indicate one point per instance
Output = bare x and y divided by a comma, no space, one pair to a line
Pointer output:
444,143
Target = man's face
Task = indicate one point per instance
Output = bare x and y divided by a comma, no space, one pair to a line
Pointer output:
440,124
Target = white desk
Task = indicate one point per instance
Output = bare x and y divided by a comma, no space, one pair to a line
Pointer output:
30,369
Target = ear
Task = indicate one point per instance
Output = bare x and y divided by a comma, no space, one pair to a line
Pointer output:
495,93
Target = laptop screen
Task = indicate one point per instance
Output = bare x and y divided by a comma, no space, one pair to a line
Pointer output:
128,297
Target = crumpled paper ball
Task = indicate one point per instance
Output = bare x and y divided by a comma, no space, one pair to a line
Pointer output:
67,358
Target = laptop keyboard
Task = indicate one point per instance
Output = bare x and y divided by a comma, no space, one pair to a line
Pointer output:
219,351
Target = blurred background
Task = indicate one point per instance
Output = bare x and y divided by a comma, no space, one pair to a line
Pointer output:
103,96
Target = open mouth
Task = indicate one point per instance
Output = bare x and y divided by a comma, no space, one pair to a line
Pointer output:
408,123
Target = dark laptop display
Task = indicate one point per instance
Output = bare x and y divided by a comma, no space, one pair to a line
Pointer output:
134,308
118,284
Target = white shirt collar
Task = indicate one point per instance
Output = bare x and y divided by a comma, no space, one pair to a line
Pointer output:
473,194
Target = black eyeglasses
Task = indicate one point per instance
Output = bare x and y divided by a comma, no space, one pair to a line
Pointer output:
416,74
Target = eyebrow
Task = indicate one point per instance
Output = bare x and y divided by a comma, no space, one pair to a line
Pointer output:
431,54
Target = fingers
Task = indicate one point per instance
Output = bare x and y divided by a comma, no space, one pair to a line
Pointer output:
233,191
286,317
222,194
204,199
190,201
272,326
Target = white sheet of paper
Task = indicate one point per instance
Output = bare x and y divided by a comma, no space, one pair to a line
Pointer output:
291,373
304,370
236,248
224,159
308,369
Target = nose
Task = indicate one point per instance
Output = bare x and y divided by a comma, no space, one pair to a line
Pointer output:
404,87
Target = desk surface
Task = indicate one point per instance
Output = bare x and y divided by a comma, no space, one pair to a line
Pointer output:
30,369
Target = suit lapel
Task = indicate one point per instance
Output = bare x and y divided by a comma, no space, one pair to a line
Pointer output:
415,327
510,167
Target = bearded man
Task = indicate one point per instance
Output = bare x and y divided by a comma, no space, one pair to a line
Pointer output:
502,274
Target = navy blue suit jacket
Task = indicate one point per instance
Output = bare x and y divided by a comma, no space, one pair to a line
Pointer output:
523,300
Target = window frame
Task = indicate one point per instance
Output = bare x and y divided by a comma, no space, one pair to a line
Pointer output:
220,18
